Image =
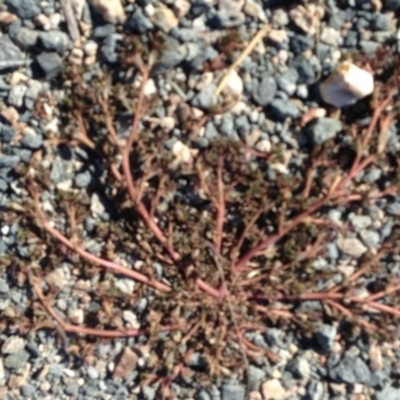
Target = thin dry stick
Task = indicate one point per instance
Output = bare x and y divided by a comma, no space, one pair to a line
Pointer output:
257,38
220,208
116,268
70,18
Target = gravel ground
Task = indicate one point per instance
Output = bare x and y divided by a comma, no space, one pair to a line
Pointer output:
51,50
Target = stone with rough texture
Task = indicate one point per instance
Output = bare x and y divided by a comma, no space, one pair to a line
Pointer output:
352,247
323,129
25,9
10,55
125,363
273,390
346,85
111,10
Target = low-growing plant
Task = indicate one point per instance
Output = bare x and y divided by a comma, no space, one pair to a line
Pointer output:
219,246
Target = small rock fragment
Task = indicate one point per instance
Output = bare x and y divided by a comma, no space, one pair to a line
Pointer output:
273,390
307,17
352,247
126,363
111,10
346,85
162,16
323,129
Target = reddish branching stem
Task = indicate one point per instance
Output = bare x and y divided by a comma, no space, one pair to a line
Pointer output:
112,266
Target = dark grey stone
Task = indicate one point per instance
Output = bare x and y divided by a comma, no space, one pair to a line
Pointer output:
222,19
10,55
50,63
300,43
25,9
284,109
324,129
205,99
103,31
138,22
7,133
325,336
242,125
7,161
392,4
55,41
172,55
350,370
264,93
109,48
16,360
305,69
26,38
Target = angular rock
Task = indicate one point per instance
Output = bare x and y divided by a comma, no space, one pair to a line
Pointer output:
346,85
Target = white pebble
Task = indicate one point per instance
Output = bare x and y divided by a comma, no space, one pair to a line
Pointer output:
346,85
111,10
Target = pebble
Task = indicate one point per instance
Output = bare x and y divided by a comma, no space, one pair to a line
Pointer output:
234,84
25,9
50,63
125,363
55,41
272,389
162,17
138,22
352,247
10,55
265,92
111,10
350,370
284,109
205,99
31,140
325,336
323,129
346,85
13,344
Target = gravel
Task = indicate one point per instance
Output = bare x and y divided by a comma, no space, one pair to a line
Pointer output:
270,103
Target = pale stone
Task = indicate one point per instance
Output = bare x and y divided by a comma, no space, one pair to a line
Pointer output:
307,17
181,7
346,85
255,10
111,10
352,247
278,36
150,88
182,152
264,146
234,84
77,316
273,390
162,16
